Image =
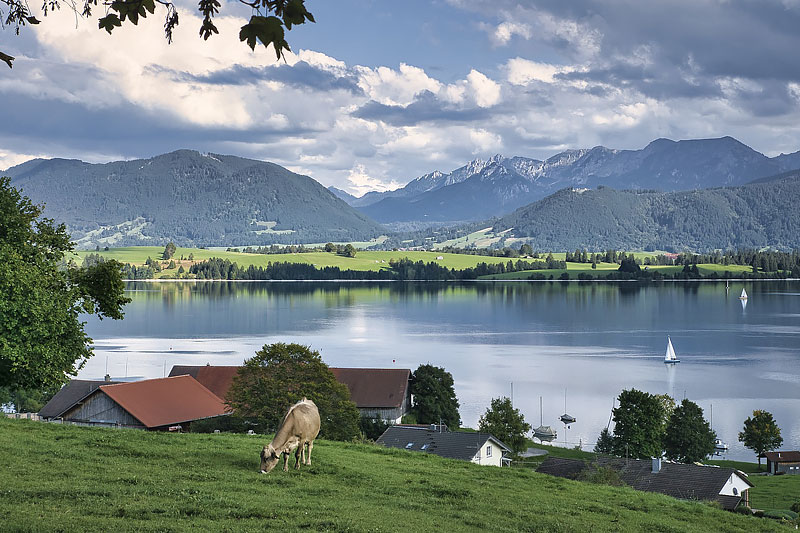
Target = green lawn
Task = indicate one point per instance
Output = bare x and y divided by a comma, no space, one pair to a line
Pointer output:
63,478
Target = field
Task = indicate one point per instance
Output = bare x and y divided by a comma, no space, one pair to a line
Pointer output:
64,478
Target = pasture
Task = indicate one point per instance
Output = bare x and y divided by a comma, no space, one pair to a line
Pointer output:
66,478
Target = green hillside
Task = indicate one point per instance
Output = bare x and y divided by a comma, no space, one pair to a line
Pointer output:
63,478
757,215
189,198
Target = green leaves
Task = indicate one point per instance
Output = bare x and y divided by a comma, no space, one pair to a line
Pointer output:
268,30
109,22
295,12
7,59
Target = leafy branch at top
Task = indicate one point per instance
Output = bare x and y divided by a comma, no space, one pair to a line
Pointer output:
268,24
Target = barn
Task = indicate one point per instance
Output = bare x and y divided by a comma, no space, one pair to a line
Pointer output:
171,403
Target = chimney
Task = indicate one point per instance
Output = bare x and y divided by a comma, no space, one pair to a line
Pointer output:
433,427
656,465
107,378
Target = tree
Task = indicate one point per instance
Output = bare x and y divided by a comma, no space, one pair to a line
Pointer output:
268,23
506,423
688,437
330,247
348,251
434,396
638,424
605,442
42,340
280,375
169,251
760,433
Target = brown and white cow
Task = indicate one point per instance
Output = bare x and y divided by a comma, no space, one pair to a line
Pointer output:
299,428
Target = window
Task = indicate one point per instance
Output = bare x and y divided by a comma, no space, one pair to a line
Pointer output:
409,445
489,451
425,446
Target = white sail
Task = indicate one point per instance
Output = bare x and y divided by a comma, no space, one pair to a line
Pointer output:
670,357
744,295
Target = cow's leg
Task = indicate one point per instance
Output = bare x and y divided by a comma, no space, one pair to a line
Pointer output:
303,452
297,457
310,445
285,461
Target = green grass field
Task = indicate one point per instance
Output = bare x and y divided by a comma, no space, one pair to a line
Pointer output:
64,478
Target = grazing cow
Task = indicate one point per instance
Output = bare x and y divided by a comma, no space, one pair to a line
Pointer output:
300,427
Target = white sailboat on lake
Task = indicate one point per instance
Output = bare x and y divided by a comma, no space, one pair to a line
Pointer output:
670,357
744,295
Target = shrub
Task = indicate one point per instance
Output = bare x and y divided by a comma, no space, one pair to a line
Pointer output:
783,514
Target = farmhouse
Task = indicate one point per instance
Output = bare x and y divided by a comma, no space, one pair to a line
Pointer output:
379,393
783,462
155,404
683,481
479,448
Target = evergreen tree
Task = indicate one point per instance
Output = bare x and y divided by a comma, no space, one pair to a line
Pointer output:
638,425
605,442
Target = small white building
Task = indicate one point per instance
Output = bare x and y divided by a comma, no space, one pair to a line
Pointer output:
478,448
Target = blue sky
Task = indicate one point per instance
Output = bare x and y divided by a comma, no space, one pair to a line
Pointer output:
377,93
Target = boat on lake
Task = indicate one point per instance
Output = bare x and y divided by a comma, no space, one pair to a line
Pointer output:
670,356
744,295
544,433
720,447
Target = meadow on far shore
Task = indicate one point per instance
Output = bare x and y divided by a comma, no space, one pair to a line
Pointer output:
369,260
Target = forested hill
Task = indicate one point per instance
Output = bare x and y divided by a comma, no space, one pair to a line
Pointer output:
761,214
190,198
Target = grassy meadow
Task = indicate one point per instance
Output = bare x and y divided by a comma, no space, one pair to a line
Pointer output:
66,478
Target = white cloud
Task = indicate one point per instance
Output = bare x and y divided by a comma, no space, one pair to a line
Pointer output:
361,182
485,91
395,87
506,30
521,71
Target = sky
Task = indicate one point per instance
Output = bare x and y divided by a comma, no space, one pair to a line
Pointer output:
379,92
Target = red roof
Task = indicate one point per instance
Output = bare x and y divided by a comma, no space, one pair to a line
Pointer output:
783,457
217,379
375,387
166,401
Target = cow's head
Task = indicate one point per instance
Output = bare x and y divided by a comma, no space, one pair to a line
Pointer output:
269,458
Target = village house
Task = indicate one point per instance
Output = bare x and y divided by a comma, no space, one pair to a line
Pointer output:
727,486
69,395
171,403
783,462
379,393
478,448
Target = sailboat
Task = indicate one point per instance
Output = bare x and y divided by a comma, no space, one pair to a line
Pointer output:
744,295
565,418
720,447
670,357
543,432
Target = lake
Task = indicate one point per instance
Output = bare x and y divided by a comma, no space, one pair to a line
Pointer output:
576,342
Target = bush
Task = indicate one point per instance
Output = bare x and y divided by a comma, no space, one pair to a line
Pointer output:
227,424
371,428
601,475
743,509
795,507
783,514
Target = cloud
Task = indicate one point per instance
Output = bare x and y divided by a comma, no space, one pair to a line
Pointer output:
504,31
361,182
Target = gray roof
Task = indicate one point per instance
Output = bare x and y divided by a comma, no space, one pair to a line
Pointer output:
70,394
450,444
683,481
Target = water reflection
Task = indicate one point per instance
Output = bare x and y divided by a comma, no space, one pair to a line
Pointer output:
594,338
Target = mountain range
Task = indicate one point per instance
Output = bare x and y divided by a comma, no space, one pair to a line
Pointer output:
488,188
189,198
757,215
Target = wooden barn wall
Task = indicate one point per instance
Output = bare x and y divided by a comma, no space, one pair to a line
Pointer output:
100,409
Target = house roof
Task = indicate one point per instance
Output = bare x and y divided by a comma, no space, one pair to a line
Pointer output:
451,444
683,481
217,379
69,395
783,457
166,401
375,387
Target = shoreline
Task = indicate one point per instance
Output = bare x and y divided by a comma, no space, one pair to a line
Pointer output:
719,280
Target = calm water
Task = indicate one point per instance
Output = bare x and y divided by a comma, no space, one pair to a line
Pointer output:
583,342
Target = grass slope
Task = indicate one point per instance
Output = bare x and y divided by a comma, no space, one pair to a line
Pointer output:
61,478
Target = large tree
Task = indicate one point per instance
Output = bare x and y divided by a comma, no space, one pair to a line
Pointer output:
506,423
42,340
638,424
268,23
434,396
278,376
688,437
760,433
